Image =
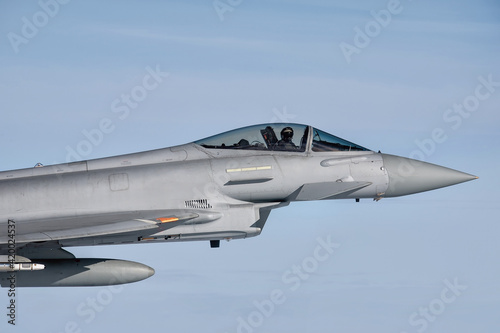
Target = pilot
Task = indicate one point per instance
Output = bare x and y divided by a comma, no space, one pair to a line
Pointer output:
286,142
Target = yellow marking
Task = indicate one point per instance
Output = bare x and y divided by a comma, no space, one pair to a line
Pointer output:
148,238
167,219
267,167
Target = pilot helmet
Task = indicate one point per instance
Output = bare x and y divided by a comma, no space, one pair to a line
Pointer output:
287,133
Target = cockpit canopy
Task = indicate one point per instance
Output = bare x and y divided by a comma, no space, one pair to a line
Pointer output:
278,137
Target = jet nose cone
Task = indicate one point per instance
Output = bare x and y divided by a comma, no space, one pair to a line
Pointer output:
408,176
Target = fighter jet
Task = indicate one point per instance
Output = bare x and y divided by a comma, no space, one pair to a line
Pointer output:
218,188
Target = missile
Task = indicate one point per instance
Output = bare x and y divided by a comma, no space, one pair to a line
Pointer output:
78,273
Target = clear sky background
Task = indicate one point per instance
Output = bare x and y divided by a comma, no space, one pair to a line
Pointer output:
409,78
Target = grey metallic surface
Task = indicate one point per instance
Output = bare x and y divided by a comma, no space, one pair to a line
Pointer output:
222,187
80,273
408,176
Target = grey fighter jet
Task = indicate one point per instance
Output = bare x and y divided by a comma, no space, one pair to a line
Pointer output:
221,187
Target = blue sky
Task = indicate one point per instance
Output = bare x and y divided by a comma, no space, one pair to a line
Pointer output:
253,62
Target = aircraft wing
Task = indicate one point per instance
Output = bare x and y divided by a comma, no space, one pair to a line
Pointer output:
240,220
94,225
